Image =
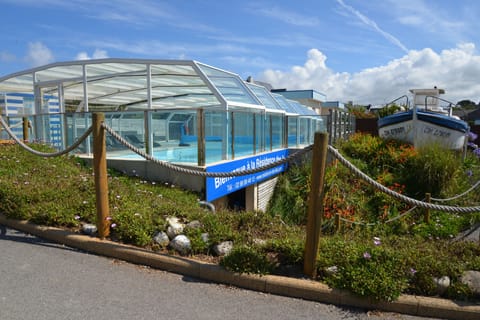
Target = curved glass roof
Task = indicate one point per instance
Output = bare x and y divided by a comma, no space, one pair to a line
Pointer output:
133,84
128,84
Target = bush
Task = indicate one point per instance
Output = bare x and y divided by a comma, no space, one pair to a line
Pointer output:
366,270
245,259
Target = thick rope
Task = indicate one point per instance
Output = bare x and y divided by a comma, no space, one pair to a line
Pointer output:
199,172
459,195
43,154
397,195
177,168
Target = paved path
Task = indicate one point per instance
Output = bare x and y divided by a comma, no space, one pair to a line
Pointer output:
43,280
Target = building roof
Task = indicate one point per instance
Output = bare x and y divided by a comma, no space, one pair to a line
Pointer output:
133,84
139,84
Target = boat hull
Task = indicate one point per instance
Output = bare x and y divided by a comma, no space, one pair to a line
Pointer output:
423,127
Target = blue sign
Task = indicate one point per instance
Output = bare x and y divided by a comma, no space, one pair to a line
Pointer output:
220,186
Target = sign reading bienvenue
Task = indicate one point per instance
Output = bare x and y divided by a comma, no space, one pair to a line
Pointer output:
219,186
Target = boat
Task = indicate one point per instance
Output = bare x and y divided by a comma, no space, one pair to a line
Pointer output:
426,122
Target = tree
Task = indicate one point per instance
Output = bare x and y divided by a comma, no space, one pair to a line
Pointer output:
467,104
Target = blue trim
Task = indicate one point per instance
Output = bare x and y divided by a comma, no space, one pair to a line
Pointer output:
395,118
426,116
443,121
14,101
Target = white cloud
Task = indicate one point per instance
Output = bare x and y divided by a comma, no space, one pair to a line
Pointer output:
455,70
97,54
38,54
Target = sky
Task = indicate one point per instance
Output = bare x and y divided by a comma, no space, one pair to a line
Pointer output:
367,52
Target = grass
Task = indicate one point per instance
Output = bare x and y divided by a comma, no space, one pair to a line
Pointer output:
377,260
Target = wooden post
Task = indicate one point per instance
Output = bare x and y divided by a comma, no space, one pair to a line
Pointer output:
100,172
201,137
337,222
315,203
428,198
25,124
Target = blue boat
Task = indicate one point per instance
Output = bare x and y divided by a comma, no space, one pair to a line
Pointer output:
426,123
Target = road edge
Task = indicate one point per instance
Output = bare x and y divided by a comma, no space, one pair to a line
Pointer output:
279,285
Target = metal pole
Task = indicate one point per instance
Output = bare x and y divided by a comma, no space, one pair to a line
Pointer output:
100,173
315,203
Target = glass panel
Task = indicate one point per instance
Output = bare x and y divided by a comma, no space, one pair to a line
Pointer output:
94,70
17,104
130,125
77,124
277,131
229,85
304,130
215,134
22,83
259,132
60,73
292,131
265,97
283,103
243,134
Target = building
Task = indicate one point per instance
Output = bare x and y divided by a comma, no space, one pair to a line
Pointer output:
180,111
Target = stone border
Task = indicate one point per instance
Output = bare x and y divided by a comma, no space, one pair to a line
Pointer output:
285,286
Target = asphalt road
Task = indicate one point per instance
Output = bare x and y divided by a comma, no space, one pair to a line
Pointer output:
43,280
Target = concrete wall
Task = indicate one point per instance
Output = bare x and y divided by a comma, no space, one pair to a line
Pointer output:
155,172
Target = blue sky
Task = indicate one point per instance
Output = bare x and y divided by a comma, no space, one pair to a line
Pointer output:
367,52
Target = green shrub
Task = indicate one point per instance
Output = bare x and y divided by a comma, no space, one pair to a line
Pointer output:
245,259
379,272
289,200
432,171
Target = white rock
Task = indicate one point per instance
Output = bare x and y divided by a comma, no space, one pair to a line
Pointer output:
89,229
205,237
175,227
442,284
472,280
331,270
223,248
181,244
195,224
161,238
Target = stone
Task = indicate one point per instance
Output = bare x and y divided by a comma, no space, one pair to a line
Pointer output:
331,270
181,244
205,237
195,224
442,284
89,229
472,280
161,238
175,227
223,248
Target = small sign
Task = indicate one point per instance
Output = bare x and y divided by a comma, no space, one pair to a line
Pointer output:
220,186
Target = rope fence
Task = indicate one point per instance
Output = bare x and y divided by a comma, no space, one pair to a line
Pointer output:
411,201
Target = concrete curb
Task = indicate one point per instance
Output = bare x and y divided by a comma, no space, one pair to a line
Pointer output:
285,286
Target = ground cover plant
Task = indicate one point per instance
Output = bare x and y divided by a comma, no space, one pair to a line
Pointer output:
365,255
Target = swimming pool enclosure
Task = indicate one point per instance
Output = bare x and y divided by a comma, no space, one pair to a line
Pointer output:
176,110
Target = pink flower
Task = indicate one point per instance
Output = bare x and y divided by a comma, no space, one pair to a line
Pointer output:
367,255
